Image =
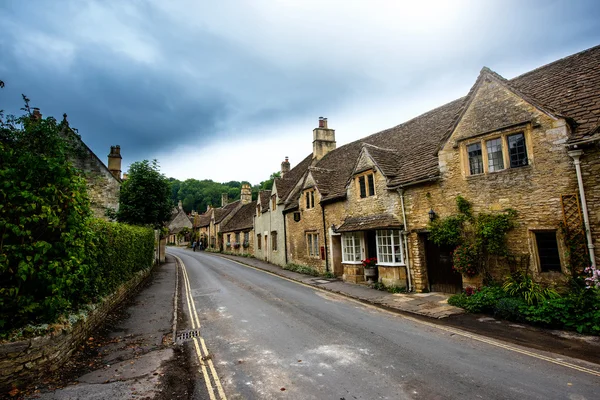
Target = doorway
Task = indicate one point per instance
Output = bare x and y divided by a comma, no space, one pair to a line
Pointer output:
441,275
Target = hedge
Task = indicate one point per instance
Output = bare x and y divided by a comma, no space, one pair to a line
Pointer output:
113,254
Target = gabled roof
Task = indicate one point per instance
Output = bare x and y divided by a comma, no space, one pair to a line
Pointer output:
286,184
222,212
242,219
204,219
263,199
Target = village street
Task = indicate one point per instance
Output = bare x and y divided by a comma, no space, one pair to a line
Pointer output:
267,337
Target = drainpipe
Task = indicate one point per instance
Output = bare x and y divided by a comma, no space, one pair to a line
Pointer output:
575,154
405,234
284,237
325,239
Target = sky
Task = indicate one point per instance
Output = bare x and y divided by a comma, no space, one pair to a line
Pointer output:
226,89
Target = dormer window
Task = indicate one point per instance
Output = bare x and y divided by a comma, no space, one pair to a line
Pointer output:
496,153
310,199
366,185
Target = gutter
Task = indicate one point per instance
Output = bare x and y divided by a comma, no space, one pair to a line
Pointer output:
430,179
405,235
575,155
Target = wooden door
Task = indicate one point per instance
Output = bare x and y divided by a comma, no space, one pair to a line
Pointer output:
442,278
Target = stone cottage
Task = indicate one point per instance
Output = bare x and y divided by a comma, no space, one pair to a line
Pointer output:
237,228
528,144
179,222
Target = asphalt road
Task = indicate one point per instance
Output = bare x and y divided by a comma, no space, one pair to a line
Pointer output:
270,338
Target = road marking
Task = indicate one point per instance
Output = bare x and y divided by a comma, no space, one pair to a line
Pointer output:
456,331
201,349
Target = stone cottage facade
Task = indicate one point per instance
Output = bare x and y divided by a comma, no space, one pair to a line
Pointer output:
236,230
507,144
178,222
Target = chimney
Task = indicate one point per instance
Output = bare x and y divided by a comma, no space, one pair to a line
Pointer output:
285,167
246,194
224,199
114,161
180,205
36,114
323,139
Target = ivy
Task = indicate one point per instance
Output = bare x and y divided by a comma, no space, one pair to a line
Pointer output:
476,236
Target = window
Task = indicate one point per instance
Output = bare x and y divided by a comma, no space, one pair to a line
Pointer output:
352,247
494,153
389,247
310,199
517,150
258,242
274,202
366,185
246,237
312,244
548,251
475,159
228,239
274,240
237,237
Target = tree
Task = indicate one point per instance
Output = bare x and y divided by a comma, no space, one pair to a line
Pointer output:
145,197
268,184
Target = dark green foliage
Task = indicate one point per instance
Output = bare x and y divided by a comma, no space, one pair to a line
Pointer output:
447,231
44,210
464,207
53,258
491,229
302,269
521,285
121,250
577,310
145,197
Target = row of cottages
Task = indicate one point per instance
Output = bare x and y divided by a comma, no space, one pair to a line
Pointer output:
529,143
229,227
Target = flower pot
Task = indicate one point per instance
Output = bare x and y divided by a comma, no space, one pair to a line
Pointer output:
371,275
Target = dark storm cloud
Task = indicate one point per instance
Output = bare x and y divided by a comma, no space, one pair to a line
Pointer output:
194,90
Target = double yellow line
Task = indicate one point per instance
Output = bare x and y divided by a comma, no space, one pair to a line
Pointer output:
204,358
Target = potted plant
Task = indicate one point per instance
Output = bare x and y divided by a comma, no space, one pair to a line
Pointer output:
370,267
236,245
246,244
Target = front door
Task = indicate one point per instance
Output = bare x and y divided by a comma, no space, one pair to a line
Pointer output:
442,277
371,240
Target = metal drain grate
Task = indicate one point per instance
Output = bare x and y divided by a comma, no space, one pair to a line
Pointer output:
188,335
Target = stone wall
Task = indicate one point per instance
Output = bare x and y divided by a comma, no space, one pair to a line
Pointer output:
241,249
534,191
31,359
103,187
590,173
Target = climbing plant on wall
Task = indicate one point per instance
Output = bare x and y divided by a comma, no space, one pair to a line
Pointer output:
474,237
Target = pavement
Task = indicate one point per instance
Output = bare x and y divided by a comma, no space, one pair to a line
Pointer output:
432,305
132,356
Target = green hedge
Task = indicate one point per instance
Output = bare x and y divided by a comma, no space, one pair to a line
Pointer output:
114,252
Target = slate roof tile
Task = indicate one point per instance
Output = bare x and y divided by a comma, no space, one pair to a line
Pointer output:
242,219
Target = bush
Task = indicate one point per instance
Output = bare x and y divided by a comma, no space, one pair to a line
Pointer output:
302,269
522,286
509,308
482,301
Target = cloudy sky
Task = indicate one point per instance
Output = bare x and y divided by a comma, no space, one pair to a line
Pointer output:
225,89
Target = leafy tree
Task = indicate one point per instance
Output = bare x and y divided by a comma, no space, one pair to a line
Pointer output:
145,197
44,214
268,184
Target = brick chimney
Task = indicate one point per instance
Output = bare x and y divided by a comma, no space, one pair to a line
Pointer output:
114,161
323,139
285,167
224,199
36,114
246,194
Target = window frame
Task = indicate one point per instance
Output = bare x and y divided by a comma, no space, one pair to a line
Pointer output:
536,250
355,237
312,243
365,181
259,241
274,202
309,195
273,240
483,141
392,237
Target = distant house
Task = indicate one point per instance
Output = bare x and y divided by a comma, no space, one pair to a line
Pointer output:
179,222
237,230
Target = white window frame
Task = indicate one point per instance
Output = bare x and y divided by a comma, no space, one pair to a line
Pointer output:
392,240
353,241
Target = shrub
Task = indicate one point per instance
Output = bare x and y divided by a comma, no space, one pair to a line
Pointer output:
509,308
302,269
522,285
